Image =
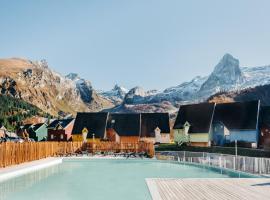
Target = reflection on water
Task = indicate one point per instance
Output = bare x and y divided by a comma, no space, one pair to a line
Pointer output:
20,183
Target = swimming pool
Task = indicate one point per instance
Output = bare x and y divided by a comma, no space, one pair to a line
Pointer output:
101,179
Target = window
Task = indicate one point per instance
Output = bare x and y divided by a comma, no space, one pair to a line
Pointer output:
52,136
62,136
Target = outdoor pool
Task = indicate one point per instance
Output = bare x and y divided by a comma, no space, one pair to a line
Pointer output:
100,179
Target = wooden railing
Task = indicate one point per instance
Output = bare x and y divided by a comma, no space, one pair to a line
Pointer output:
15,153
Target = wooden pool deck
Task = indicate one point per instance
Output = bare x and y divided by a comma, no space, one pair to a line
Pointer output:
209,189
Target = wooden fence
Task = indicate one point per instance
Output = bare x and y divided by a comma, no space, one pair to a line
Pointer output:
15,153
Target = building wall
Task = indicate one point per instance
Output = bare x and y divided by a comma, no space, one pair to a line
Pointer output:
195,139
58,135
68,130
111,135
165,138
129,139
199,137
245,136
148,139
79,138
41,132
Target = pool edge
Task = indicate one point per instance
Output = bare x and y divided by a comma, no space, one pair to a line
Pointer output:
18,170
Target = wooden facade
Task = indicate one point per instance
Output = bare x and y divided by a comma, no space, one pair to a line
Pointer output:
58,132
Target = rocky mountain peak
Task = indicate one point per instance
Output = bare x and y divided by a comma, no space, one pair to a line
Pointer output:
72,76
227,75
135,95
228,65
36,83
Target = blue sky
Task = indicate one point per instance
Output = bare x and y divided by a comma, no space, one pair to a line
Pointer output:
150,43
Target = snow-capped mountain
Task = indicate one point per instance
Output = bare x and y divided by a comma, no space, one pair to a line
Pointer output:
226,76
116,95
255,76
83,86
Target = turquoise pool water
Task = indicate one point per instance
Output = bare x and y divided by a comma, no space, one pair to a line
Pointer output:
100,179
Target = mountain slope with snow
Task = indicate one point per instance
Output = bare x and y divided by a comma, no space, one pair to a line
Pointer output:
227,76
116,95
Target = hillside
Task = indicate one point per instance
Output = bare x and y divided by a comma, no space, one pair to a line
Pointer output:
260,92
37,84
13,111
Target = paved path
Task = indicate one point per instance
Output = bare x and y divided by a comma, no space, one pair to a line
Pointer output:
210,189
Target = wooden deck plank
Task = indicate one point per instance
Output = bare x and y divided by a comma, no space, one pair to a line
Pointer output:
209,189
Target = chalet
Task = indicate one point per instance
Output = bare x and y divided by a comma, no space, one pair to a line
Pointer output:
24,130
155,127
38,132
264,136
193,124
60,130
124,127
90,126
236,121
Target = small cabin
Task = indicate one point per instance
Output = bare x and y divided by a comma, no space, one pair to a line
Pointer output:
60,130
90,126
38,132
124,127
155,127
193,124
237,121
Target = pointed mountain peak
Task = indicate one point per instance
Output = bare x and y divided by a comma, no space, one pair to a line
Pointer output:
72,76
119,88
226,76
228,62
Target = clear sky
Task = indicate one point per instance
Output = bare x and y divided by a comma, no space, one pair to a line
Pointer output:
151,43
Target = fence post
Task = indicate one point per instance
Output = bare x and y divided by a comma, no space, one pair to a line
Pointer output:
244,163
260,165
234,163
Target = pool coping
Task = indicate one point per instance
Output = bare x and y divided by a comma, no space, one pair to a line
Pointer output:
163,191
24,168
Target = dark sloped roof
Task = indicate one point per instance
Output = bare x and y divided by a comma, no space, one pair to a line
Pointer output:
265,115
199,116
26,126
62,122
94,122
150,121
125,124
37,126
237,115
